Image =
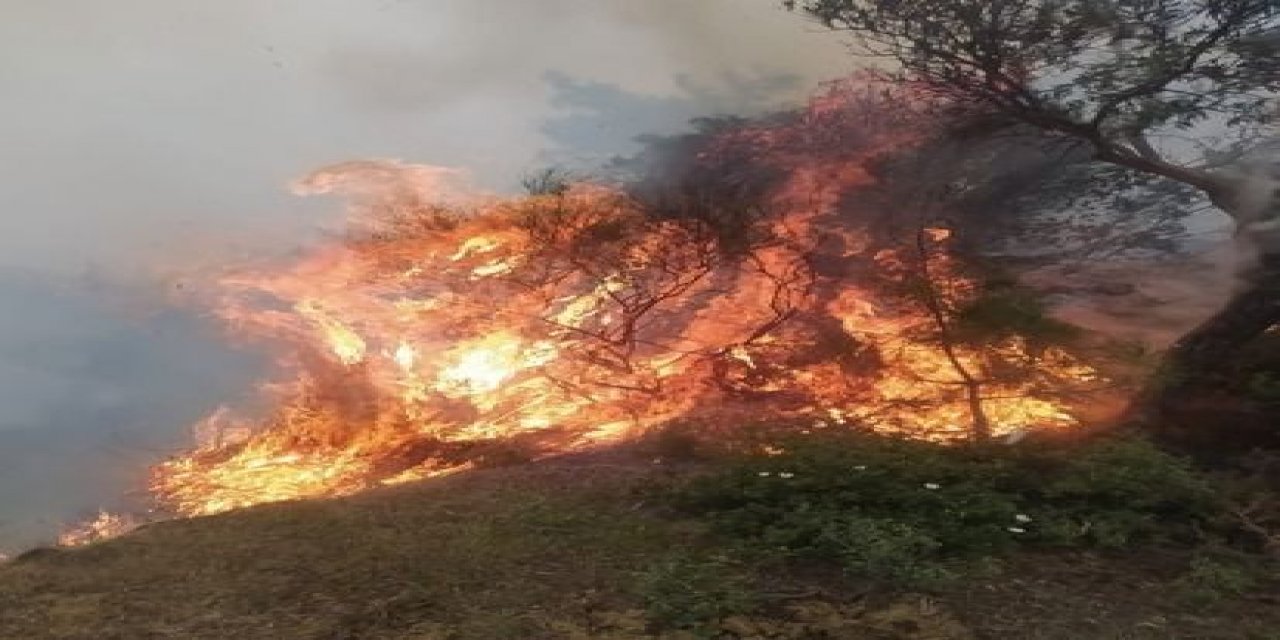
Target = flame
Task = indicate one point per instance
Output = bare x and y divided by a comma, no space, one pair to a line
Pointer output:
481,367
345,344
102,527
564,321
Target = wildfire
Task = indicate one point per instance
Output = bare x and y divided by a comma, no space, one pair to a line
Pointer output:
482,368
104,526
559,321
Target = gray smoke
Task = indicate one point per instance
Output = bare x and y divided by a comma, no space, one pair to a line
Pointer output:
145,131
1156,302
146,136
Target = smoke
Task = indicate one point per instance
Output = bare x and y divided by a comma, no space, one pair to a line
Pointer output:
599,120
1142,302
386,184
1257,200
146,135
96,378
129,124
1158,302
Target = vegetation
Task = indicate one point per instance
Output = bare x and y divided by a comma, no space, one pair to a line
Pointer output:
1118,80
780,529
872,538
904,511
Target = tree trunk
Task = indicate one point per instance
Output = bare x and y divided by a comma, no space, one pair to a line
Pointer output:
1251,311
1199,366
1191,405
979,423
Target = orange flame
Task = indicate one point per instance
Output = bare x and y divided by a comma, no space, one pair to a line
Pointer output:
562,321
102,527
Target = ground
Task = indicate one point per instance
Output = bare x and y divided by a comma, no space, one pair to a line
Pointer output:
569,548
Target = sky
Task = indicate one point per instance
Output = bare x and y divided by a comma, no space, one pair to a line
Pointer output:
139,132
143,137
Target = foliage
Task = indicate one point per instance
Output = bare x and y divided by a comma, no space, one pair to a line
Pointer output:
1128,82
1099,72
1209,579
876,547
689,592
1008,311
903,511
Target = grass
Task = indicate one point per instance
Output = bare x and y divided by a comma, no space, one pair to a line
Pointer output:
493,556
574,548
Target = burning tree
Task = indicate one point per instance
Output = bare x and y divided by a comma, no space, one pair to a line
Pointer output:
1131,81
444,325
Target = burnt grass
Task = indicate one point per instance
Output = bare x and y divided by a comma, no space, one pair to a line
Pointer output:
582,546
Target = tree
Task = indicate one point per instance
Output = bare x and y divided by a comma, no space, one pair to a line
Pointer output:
1181,89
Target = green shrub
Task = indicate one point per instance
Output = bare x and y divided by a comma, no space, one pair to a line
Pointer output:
885,549
1116,493
1209,580
903,511
686,592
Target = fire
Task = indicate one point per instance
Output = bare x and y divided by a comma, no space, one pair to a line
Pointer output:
565,320
342,341
104,526
482,368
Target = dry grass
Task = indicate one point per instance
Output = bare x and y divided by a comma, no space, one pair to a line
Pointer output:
489,556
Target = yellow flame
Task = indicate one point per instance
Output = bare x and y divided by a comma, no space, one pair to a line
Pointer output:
447,353
481,367
104,526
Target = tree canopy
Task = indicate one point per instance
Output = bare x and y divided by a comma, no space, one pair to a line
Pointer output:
1120,75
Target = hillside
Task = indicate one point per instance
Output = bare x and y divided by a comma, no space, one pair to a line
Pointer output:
569,548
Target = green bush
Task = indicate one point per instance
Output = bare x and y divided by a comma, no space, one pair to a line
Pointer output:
885,549
1209,580
1116,493
903,511
685,592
